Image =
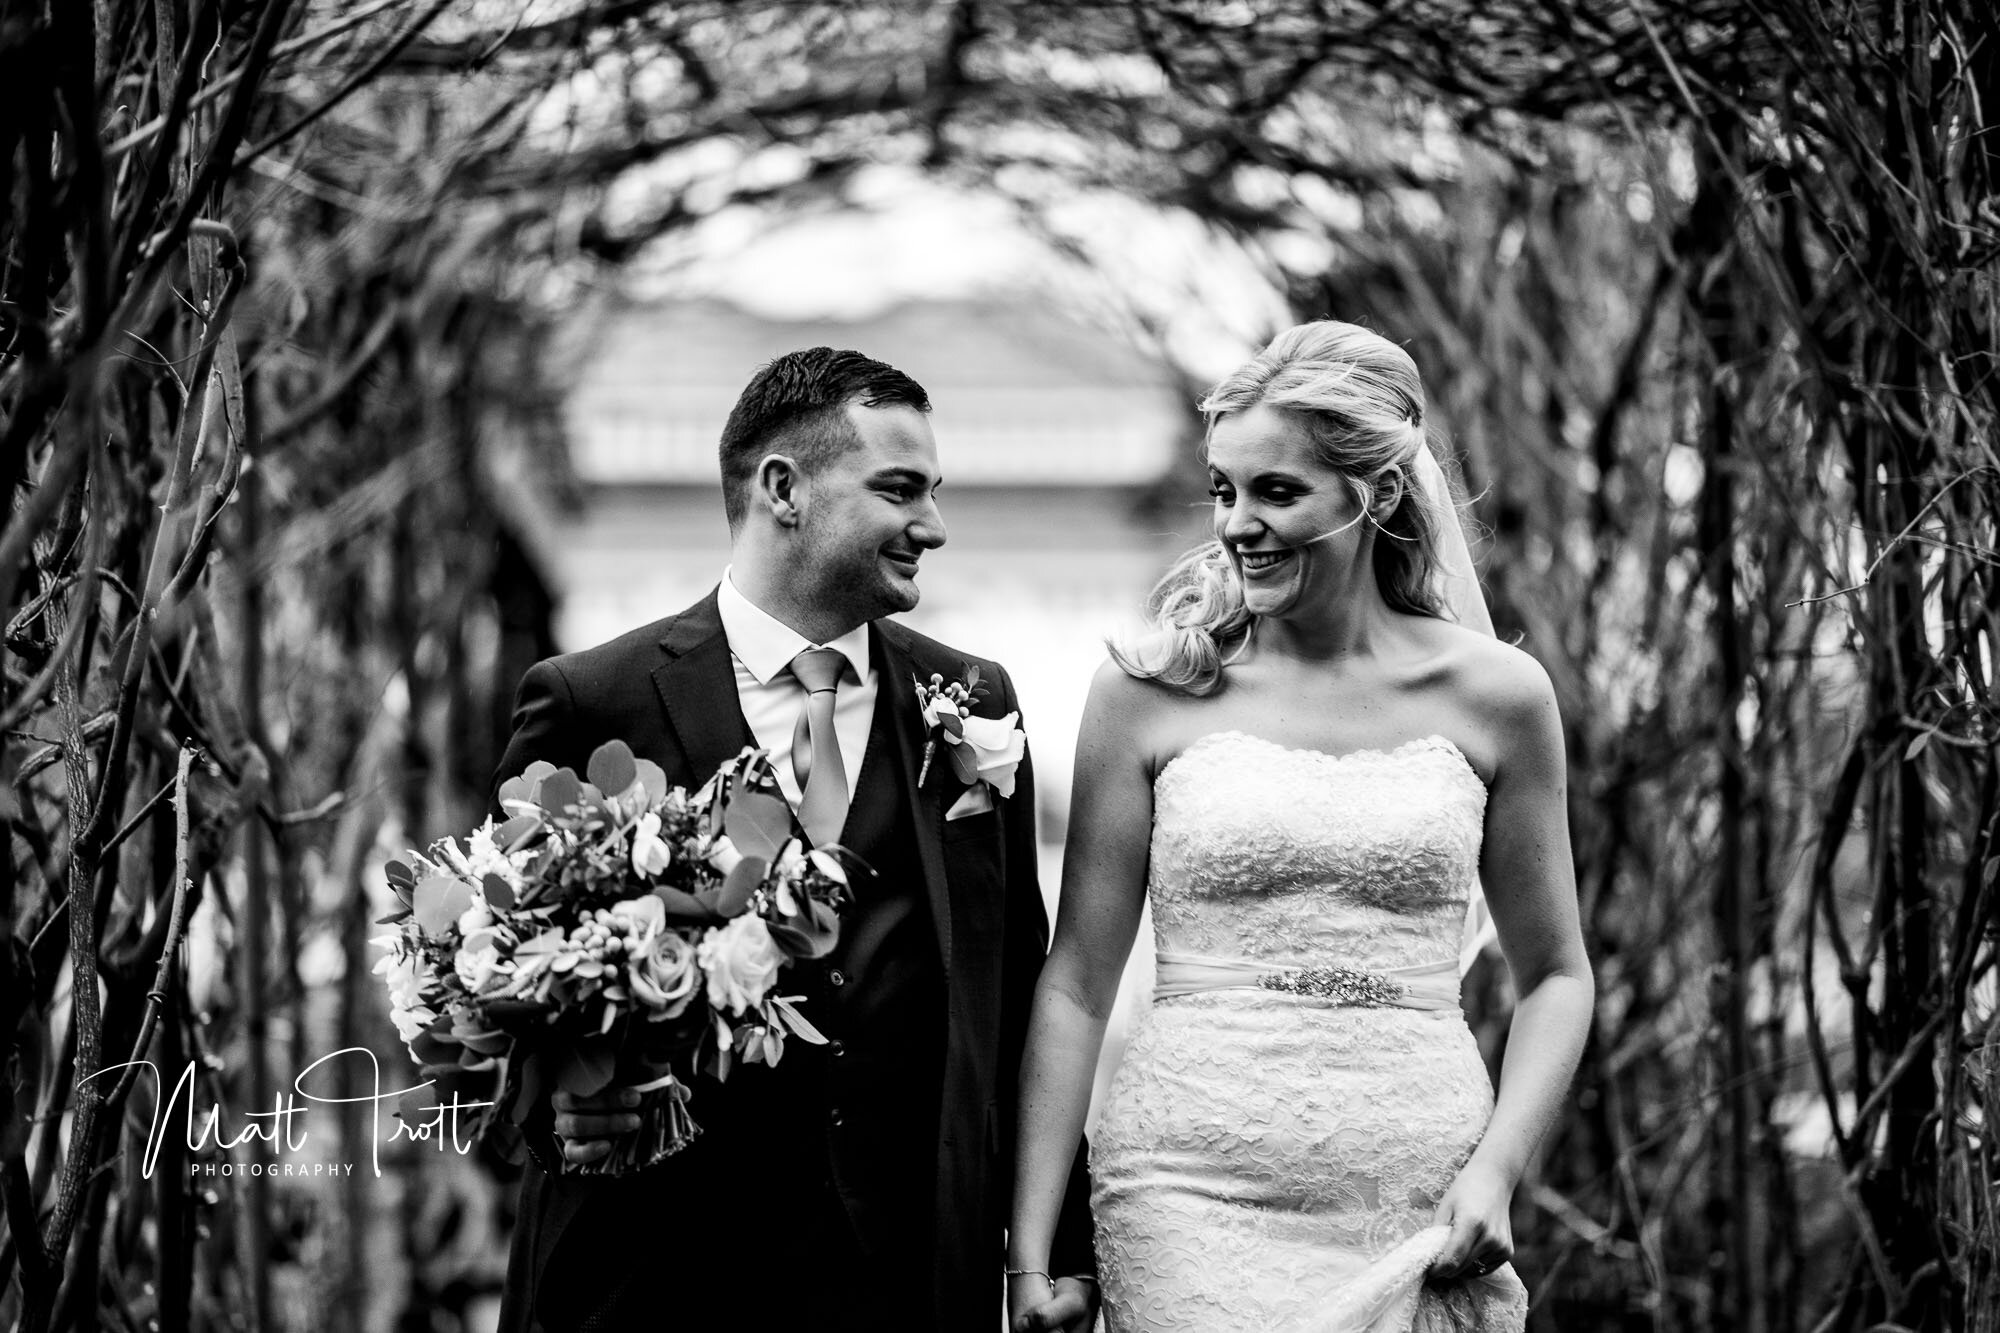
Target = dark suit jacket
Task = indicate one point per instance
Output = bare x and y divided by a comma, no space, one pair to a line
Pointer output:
668,690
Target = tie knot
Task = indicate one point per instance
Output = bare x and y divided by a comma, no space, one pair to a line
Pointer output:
818,669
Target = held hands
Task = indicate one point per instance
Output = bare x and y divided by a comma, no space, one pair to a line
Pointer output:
588,1126
1033,1308
1482,1236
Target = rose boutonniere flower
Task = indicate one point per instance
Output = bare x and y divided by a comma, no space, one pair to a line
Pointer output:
979,749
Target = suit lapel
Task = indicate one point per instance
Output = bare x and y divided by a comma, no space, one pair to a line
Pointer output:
927,813
697,687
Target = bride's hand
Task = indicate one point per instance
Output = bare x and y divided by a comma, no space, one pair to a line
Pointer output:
1482,1235
1031,1308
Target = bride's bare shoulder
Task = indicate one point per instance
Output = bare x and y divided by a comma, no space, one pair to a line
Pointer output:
1503,686
1136,714
1118,695
1475,662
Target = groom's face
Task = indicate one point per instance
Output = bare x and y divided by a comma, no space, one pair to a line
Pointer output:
870,514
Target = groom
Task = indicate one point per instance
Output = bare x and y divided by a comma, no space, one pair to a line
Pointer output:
862,1184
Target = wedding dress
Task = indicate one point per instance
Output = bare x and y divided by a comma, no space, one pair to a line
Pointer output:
1304,1088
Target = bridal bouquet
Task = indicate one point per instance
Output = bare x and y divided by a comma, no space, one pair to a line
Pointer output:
613,932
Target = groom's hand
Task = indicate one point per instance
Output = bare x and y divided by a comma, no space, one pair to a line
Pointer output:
1072,1309
589,1125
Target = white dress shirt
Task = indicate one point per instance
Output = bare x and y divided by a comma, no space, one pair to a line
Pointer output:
761,647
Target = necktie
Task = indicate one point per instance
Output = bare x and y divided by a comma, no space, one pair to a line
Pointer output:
816,758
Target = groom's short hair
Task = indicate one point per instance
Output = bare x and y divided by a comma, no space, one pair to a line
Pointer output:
797,405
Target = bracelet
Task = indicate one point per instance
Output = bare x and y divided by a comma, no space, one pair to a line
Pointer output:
1032,1272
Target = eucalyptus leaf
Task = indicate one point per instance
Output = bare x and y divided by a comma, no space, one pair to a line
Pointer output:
612,768
720,1057
964,763
560,791
499,893
486,1043
758,824
800,937
431,1049
654,778
743,879
526,787
683,906
796,1021
513,834
439,900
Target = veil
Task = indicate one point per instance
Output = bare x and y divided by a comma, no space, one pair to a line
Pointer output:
1459,586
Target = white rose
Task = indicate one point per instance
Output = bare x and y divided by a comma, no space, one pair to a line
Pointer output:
640,914
480,967
407,1009
723,856
412,1023
650,853
997,746
475,918
406,987
663,973
742,962
484,857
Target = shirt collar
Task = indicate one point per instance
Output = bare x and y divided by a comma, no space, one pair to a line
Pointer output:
766,645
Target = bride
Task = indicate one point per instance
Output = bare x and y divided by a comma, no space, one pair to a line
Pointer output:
1311,769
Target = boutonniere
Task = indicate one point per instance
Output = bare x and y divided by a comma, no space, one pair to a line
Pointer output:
979,749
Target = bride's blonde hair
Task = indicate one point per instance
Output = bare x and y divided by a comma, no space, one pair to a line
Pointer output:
1362,403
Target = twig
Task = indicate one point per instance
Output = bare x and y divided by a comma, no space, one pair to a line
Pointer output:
1890,546
145,812
152,128
163,974
360,78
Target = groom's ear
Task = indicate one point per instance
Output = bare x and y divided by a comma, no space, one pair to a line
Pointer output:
778,487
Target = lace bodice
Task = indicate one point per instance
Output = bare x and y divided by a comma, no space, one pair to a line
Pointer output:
1277,854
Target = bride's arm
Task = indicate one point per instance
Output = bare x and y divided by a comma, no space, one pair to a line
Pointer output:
1103,888
1526,865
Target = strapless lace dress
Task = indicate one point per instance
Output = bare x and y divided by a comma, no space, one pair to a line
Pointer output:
1270,1159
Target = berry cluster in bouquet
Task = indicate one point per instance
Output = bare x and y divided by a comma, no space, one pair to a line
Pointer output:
613,931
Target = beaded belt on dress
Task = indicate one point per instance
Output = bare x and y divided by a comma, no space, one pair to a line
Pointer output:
1418,986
